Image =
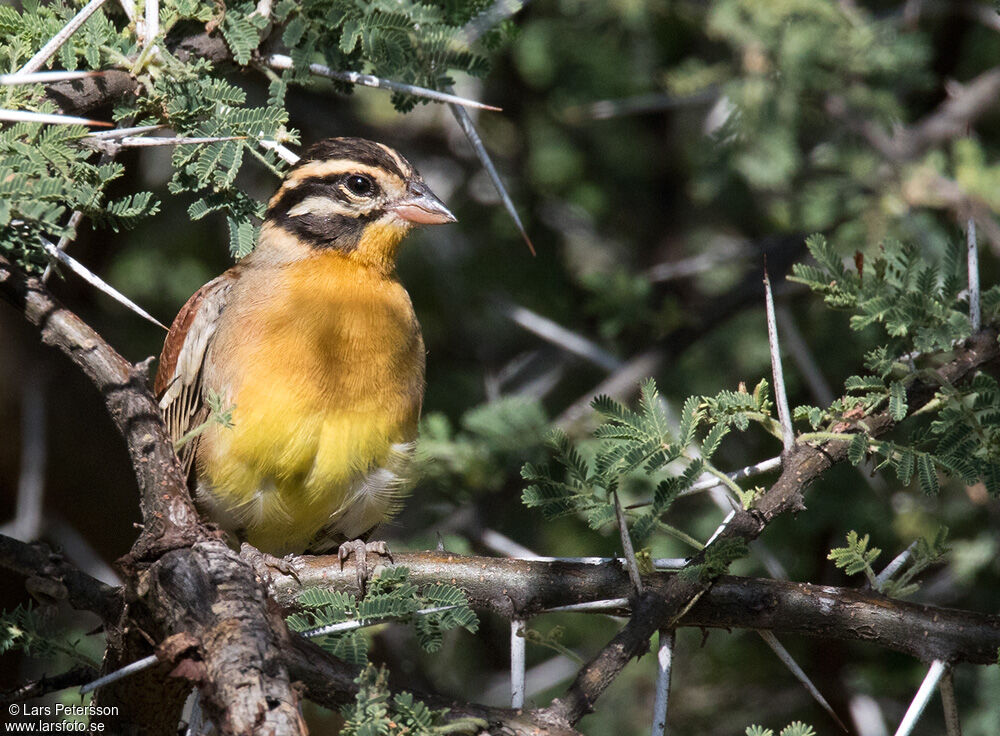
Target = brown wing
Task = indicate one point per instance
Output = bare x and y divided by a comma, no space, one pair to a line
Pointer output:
178,382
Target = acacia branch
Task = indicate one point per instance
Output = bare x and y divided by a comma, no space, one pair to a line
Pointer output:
951,119
802,465
523,588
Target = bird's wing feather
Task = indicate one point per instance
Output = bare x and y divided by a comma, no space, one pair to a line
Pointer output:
179,377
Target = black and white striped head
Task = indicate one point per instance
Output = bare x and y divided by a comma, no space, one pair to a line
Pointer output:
343,187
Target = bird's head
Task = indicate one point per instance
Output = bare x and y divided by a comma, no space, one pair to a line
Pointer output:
355,196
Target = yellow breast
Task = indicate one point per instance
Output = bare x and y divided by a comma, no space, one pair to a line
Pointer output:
327,372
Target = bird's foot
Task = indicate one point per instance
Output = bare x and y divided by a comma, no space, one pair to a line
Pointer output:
361,550
263,563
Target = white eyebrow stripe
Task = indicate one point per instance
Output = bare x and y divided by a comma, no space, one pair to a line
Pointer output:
330,168
318,205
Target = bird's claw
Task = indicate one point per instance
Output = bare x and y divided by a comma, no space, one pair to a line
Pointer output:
360,549
262,563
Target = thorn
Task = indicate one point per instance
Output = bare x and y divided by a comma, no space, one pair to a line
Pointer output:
779,649
142,664
780,395
37,61
91,278
465,122
25,116
47,77
975,313
517,657
920,700
664,668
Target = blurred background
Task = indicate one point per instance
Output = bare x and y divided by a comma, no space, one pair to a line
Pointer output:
659,153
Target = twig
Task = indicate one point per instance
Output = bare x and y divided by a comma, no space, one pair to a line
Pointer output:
780,395
630,564
695,265
975,314
91,278
664,667
517,647
923,696
561,337
26,116
786,659
282,62
467,126
36,689
638,105
712,482
55,43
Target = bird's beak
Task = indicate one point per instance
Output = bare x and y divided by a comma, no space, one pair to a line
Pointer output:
422,207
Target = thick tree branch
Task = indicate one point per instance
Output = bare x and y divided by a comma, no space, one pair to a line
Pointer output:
71,584
524,588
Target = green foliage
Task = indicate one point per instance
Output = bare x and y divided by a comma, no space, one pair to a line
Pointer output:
856,556
26,630
638,445
492,442
718,557
390,597
413,42
377,712
915,301
45,174
795,728
552,639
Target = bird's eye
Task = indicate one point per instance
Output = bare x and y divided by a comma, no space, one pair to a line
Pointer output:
360,186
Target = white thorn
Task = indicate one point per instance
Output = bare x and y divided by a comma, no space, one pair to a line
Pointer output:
55,43
91,278
25,116
130,669
286,155
780,395
975,313
664,665
920,700
517,657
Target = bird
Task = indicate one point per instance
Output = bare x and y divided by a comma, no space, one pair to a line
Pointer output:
310,348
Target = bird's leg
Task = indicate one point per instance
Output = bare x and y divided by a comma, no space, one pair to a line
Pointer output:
360,549
262,563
